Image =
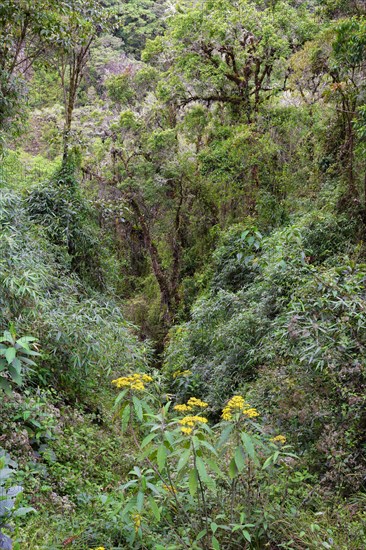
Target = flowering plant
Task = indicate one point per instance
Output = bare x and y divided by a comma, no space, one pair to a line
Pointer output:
205,482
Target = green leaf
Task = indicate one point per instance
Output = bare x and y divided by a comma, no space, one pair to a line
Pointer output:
248,445
246,535
10,354
20,512
209,447
214,467
148,440
183,459
120,397
205,478
5,385
215,543
154,508
225,435
239,458
125,418
137,407
193,482
201,534
169,438
140,501
214,527
16,377
27,361
161,457
17,365
201,468
267,463
233,470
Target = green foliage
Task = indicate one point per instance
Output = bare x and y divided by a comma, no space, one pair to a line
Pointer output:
140,20
10,496
195,483
83,331
225,52
15,359
61,209
236,257
219,192
294,309
25,28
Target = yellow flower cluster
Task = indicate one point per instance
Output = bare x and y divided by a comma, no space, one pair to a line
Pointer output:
188,423
251,412
99,548
182,373
136,521
279,439
237,404
182,408
133,382
194,402
191,404
169,488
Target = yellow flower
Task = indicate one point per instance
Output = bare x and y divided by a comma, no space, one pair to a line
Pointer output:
194,402
133,381
188,423
136,521
182,408
169,488
192,420
279,439
251,413
99,548
187,431
237,404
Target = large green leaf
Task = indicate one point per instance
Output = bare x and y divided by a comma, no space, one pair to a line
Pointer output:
154,508
183,459
248,445
161,457
10,354
239,458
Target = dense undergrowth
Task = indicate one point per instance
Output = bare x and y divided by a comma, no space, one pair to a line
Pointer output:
182,219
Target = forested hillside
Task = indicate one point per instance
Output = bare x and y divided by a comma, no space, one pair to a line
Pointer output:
182,274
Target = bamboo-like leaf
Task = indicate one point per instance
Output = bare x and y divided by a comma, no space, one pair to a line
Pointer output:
267,463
